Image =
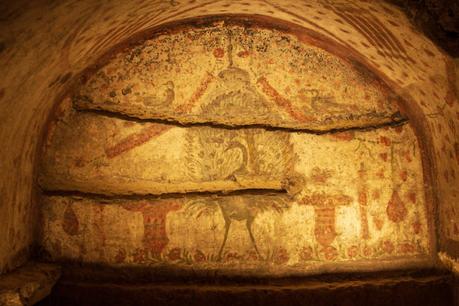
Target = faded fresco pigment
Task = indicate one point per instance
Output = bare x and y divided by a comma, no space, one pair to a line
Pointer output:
44,55
99,154
352,195
143,161
239,76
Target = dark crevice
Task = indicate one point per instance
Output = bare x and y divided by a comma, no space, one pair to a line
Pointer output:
114,197
103,273
396,120
437,19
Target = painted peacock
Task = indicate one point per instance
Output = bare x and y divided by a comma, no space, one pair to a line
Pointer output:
221,154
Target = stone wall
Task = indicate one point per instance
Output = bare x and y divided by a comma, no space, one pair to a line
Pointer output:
45,49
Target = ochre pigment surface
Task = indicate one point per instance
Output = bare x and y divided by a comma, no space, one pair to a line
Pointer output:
99,154
239,75
303,199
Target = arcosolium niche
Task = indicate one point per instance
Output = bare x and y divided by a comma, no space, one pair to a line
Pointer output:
233,146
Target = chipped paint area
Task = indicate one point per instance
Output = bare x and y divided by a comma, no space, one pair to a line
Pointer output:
239,76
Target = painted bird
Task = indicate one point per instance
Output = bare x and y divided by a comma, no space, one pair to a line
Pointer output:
242,207
239,207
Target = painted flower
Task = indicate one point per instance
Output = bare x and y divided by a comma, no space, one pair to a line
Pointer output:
385,141
139,255
406,247
281,256
320,176
70,224
174,254
306,253
330,253
353,251
199,256
383,156
367,251
232,256
388,247
252,255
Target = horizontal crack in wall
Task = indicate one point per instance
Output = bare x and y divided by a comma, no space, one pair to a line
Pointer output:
396,120
189,195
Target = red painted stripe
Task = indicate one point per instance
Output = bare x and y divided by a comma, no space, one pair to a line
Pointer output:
392,37
137,139
281,101
186,107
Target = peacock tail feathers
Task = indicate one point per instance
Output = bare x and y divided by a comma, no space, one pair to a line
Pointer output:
216,154
207,155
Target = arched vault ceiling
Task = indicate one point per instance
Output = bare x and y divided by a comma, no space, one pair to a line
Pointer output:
46,44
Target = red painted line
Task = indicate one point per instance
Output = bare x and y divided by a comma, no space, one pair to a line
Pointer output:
186,107
137,139
390,37
281,101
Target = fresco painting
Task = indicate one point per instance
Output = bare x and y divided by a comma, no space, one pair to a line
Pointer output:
363,34
152,158
366,204
228,74
188,150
